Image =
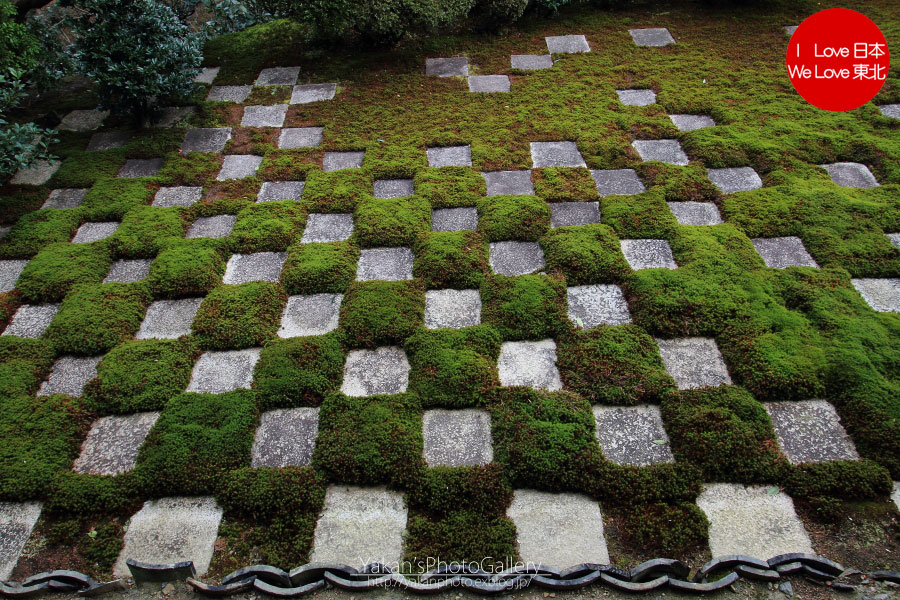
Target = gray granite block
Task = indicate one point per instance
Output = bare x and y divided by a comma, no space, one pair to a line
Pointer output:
565,214
516,258
207,139
207,75
107,140
894,239
890,110
278,76
285,438
454,219
790,29
738,179
457,438
393,188
452,308
336,161
895,496
851,174
9,273
322,227
69,374
112,444
315,92
632,435
30,321
385,264
694,362
169,319
556,154
316,314
783,252
83,120
509,183
593,305
258,266
531,62
239,166
882,295
221,372
810,431
567,44
488,83
184,196
264,116
691,122
648,254
449,156
64,198
300,137
653,37
140,167
384,370
39,174
229,93
531,364
457,66
280,190
129,271
17,520
94,232
622,182
636,97
218,226
695,213
174,115
667,151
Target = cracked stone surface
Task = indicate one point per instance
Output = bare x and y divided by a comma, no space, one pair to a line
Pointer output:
738,179
667,151
257,266
457,438
648,254
327,227
456,66
516,258
314,92
564,214
632,435
285,438
810,431
107,140
693,362
851,174
452,308
316,314
890,110
129,270
556,154
65,198
280,190
207,75
882,295
31,320
691,122
532,364
335,161
17,520
509,183
39,174
238,166
226,371
169,319
449,156
595,305
69,374
567,44
636,97
94,232
531,62
140,167
652,36
695,213
218,226
454,219
393,188
112,445
300,137
278,76
229,93
83,120
783,252
184,196
264,116
9,273
207,139
624,182
488,83
384,370
385,264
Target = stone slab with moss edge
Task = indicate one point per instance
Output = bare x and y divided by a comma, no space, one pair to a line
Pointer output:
65,198
691,122
488,83
457,66
695,213
280,190
292,138
566,214
384,370
612,182
851,175
111,446
258,266
218,226
315,92
239,166
667,151
321,227
209,139
636,97
9,273
632,435
509,183
567,44
783,252
129,270
94,232
531,62
169,319
264,116
532,364
39,174
449,156
17,520
69,375
30,321
652,37
735,179
221,372
278,76
516,258
316,314
593,305
338,161
385,264
694,362
229,93
648,254
457,438
107,140
810,431
454,219
452,308
882,295
141,167
184,196
285,438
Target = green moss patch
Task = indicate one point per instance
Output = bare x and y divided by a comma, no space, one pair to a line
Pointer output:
298,371
37,230
378,313
49,276
337,191
191,169
455,259
565,184
585,254
319,268
24,363
239,316
524,218
83,169
450,187
388,222
110,199
290,165
144,231
267,227
530,307
679,184
187,268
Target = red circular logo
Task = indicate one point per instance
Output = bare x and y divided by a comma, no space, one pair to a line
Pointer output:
838,59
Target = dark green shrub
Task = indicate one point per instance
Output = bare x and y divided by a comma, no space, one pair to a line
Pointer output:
450,187
34,231
239,316
24,363
319,268
529,307
298,371
267,227
844,479
391,222
336,191
564,184
455,259
524,218
673,529
110,199
492,14
186,268
378,313
144,231
585,254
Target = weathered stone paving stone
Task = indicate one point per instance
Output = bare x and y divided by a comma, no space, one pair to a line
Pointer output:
65,198
30,321
648,254
173,115
850,174
738,179
316,314
285,438
17,519
393,188
258,266
280,190
93,232
509,183
693,362
39,174
384,370
212,227
454,219
385,264
624,182
516,258
112,445
636,97
359,526
229,93
322,227
220,372
457,66
129,271
790,29
9,273
457,438
531,364
169,319
335,161
208,139
748,520
558,530
452,308
449,156
315,92
300,137
654,36
567,44
691,122
238,166
171,530
632,435
488,83
783,252
83,120
278,76
107,140
667,151
592,305
207,75
695,213
556,154
895,239
564,214
140,167
264,116
890,110
184,196
895,496
531,62
69,374
810,431
882,295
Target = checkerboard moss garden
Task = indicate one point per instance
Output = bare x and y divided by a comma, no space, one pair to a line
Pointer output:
522,313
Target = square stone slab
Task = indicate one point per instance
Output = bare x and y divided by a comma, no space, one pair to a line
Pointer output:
94,232
322,227
385,264
556,154
693,362
169,319
488,83
112,445
667,151
30,321
691,122
648,254
783,252
810,431
564,214
207,75
384,370
695,213
171,530
238,166
454,219
894,239
531,62
69,375
393,188
258,266
264,116
174,115
335,161
209,139
890,110
790,29
315,92
881,294
516,258
300,137
592,305
280,190
532,364
632,435
107,140
851,174
359,526
221,372
285,438
653,36
567,44
229,93
449,156
316,314
17,520
622,182
218,226
184,196
139,167
39,174
739,179
129,271
636,97
509,183
457,438
457,66
9,273
278,76
64,198
748,520
83,120
558,530
452,308
895,496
